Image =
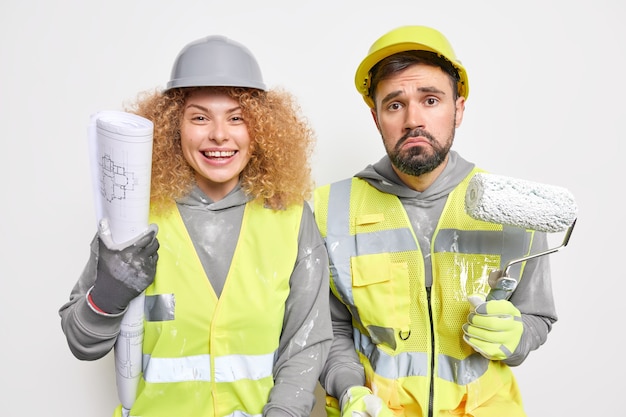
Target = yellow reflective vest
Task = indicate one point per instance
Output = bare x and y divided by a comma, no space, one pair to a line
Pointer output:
204,356
409,337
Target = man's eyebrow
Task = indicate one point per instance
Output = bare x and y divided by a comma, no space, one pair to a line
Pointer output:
431,90
392,95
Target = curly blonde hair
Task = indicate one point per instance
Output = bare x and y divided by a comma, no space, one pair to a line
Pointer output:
282,142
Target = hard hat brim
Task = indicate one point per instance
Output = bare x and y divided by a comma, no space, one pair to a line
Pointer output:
214,82
362,81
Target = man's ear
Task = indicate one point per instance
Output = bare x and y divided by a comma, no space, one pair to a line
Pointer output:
375,117
460,109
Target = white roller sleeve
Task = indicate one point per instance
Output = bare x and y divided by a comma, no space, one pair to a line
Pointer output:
499,199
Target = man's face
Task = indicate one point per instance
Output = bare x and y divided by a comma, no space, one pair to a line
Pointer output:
417,115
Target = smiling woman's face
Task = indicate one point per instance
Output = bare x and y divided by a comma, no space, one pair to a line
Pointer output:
215,141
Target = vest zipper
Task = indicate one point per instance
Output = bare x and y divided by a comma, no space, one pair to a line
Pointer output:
432,355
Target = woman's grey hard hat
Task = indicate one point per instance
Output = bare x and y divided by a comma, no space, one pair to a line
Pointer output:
215,61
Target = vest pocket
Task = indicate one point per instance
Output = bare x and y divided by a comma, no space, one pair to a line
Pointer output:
381,291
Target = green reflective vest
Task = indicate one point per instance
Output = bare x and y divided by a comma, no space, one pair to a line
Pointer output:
204,356
408,337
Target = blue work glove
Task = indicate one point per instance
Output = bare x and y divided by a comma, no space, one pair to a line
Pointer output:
124,270
494,328
360,402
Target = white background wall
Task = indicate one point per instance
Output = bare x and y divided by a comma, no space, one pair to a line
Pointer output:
546,104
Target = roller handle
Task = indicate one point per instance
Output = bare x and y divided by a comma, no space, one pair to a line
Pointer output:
502,286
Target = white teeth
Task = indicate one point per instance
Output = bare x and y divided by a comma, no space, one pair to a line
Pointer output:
219,154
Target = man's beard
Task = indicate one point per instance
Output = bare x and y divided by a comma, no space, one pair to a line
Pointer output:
419,160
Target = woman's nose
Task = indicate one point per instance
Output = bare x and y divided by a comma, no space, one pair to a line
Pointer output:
218,132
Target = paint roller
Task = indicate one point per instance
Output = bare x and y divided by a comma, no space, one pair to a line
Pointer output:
526,204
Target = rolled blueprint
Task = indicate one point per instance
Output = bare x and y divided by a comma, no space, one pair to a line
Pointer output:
121,151
121,159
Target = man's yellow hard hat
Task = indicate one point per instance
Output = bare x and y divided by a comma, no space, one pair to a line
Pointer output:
407,38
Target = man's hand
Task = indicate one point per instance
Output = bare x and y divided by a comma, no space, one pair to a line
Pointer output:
494,328
123,271
360,402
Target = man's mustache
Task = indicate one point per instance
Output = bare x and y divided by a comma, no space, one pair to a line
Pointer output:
413,134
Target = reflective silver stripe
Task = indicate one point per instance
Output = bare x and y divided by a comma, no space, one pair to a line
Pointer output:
159,307
198,368
462,371
395,240
338,240
235,367
407,364
391,367
468,241
510,243
189,368
384,241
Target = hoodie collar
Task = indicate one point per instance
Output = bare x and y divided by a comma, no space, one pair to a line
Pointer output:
197,198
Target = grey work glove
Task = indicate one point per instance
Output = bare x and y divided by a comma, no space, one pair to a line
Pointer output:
124,270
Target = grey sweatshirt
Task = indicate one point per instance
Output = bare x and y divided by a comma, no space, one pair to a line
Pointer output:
214,228
533,296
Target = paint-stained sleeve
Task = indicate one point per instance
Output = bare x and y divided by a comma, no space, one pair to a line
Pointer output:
307,331
343,368
535,300
90,335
